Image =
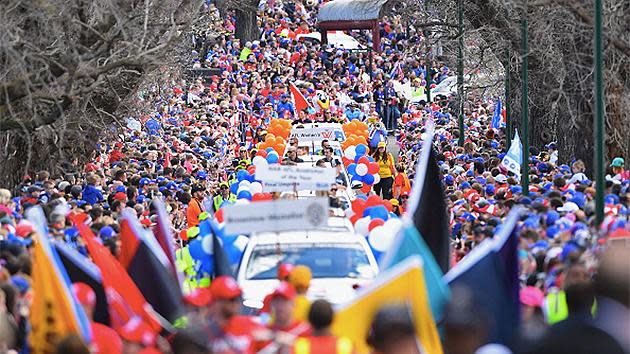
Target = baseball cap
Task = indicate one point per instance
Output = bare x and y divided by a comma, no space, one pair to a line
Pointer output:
500,178
284,270
284,290
300,276
382,144
617,162
199,297
84,294
107,232
225,288
137,331
568,207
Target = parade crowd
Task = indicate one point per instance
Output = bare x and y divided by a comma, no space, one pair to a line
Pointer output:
200,132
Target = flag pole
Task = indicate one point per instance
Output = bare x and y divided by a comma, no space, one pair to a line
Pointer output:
600,184
460,70
525,105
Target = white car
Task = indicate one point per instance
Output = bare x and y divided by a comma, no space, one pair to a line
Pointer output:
340,262
336,39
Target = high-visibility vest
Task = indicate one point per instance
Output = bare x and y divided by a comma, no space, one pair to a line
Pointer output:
556,307
186,265
218,200
303,346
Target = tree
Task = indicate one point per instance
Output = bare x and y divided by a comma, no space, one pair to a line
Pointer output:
245,12
68,69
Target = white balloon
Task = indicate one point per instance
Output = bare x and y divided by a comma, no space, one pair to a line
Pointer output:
349,213
259,161
362,169
350,152
377,178
255,187
206,244
244,183
380,238
243,188
361,226
241,201
241,242
393,225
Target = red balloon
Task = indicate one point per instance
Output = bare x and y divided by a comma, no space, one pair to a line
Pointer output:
374,223
358,205
354,218
373,168
346,161
219,215
258,197
373,200
262,153
366,189
364,160
251,170
388,205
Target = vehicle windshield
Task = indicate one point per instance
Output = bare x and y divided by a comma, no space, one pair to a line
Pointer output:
325,260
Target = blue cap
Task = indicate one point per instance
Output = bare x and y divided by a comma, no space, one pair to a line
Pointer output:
141,199
20,283
470,173
516,189
464,185
569,248
449,180
612,199
121,189
107,232
144,181
490,189
552,231
579,198
525,201
552,216
481,180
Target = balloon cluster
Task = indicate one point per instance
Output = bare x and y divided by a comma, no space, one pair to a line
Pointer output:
273,142
279,128
266,157
246,185
361,167
202,248
356,133
373,218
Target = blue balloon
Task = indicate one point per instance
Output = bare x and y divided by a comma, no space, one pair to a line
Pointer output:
273,158
251,178
207,265
379,212
244,195
357,178
368,179
196,249
234,188
241,175
269,149
352,169
367,211
361,149
227,239
362,196
370,158
205,228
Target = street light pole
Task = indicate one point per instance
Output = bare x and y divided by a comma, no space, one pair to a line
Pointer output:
599,116
460,70
525,106
508,122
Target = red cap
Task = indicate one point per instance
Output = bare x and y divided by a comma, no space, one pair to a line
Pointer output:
24,228
225,288
105,340
284,270
284,290
200,297
146,222
137,331
120,196
84,294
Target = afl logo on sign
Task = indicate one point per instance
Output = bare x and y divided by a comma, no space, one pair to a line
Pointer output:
315,214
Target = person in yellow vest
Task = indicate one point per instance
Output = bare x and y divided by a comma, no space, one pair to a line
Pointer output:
186,264
555,306
300,279
223,195
321,340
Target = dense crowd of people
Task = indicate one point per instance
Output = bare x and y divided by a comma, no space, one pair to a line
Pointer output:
188,149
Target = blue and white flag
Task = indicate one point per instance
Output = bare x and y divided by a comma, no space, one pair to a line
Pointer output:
497,118
514,157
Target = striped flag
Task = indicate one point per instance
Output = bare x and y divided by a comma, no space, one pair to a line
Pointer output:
299,101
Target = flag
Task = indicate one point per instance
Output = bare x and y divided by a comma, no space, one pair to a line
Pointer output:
54,312
404,283
497,117
221,263
81,270
148,267
299,101
514,158
427,207
490,273
397,71
408,243
164,236
122,286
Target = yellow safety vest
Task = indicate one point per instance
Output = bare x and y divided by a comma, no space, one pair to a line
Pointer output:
556,307
186,265
303,346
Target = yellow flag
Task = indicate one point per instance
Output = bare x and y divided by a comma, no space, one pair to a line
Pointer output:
403,283
51,316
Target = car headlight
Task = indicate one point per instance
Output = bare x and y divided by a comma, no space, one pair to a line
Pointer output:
255,304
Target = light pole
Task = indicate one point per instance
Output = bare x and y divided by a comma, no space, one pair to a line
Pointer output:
599,116
506,102
460,70
525,106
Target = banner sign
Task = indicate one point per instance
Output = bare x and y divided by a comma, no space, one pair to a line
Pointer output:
513,159
277,178
276,216
317,134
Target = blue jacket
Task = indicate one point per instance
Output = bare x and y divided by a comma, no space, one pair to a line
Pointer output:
91,194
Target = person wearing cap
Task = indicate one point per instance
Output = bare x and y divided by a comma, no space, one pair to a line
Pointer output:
137,336
284,271
188,266
104,339
239,331
321,340
386,171
283,310
195,206
395,207
224,195
300,278
618,171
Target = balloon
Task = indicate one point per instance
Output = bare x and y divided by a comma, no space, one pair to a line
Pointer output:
388,205
206,244
269,149
393,225
364,160
259,161
261,153
358,205
244,194
244,183
362,226
380,239
368,179
255,187
233,254
273,157
234,188
366,188
241,189
377,178
207,265
373,168
374,223
352,169
228,239
373,200
350,152
241,242
355,218
219,215
361,169
378,212
361,149
195,248
251,169
241,175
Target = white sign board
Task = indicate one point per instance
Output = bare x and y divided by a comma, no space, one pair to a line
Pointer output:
277,178
276,216
317,134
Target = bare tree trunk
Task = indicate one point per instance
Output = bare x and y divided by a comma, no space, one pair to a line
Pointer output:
246,24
